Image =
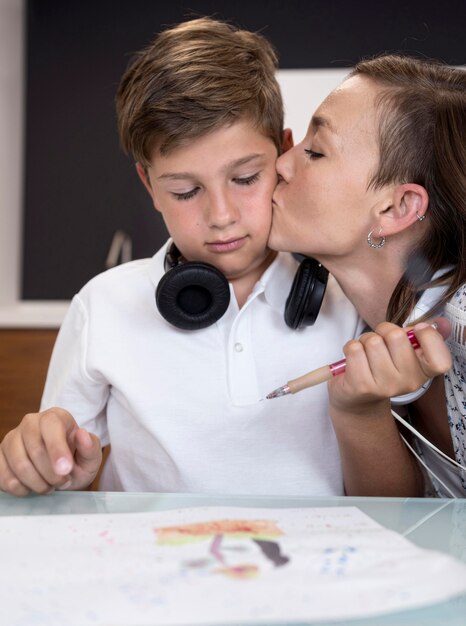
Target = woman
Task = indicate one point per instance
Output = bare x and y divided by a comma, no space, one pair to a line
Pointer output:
376,192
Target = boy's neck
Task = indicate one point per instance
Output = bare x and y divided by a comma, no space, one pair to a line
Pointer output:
243,285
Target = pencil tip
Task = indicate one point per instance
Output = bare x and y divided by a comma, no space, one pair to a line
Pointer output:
277,393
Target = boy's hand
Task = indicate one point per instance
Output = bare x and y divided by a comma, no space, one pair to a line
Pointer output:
48,451
383,364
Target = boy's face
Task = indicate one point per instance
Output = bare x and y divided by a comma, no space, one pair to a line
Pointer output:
215,196
323,206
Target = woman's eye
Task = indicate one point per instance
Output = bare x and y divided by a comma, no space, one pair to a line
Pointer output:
186,195
248,180
312,154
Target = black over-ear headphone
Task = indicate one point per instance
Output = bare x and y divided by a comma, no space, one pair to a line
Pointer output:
194,295
306,294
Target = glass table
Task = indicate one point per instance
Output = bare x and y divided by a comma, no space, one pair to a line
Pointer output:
438,524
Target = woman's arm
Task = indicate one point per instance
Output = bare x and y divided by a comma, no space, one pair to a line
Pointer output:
375,460
381,365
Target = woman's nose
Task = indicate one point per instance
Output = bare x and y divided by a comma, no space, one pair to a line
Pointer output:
284,166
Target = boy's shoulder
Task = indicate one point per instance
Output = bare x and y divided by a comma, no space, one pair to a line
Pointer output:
120,276
128,274
118,294
131,280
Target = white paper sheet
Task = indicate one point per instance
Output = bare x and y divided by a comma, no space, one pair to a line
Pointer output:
213,565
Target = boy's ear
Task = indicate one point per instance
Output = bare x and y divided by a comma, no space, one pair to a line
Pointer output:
287,139
409,205
142,173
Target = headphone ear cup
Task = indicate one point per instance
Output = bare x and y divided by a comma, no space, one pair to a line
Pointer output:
192,295
306,294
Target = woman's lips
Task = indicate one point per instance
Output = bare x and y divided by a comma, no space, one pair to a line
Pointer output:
275,199
229,245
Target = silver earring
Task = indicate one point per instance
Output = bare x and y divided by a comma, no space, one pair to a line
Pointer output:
375,245
420,217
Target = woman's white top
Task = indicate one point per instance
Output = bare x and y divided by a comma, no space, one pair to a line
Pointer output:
442,471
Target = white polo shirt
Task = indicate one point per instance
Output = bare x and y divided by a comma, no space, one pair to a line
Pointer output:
185,411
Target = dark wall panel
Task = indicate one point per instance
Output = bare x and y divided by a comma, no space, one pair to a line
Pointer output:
79,187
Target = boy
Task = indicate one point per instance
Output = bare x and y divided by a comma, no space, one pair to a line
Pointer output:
200,111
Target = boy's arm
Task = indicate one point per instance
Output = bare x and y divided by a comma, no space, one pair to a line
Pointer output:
379,366
48,451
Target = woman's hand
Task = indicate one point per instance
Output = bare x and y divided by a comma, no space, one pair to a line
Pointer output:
380,365
383,364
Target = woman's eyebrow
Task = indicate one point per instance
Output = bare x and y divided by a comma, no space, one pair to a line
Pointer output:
319,121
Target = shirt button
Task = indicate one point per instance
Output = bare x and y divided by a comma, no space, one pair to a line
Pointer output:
238,347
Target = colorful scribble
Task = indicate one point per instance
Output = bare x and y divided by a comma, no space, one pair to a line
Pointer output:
262,533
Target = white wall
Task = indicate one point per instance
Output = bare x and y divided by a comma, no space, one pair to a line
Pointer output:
11,111
302,89
13,312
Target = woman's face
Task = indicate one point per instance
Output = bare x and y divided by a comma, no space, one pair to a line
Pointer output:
322,206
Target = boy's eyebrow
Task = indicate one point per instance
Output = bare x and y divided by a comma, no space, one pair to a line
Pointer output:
235,163
244,160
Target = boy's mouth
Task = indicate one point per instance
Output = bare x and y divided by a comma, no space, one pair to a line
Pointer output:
227,245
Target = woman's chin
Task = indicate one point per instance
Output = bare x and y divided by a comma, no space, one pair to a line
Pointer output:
276,242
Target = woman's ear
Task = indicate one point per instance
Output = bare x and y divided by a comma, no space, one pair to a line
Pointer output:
287,139
144,177
409,205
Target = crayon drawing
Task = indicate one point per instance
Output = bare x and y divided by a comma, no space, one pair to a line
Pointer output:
213,565
228,550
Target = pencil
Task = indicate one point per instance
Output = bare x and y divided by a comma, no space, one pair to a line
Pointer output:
322,374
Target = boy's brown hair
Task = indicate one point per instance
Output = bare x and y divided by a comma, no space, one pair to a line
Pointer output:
193,79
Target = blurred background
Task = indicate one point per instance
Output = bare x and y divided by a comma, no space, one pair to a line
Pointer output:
70,201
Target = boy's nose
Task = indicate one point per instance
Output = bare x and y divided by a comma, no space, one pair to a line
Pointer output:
221,212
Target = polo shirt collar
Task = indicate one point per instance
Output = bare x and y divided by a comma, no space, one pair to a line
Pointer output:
275,283
277,279
430,297
156,267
